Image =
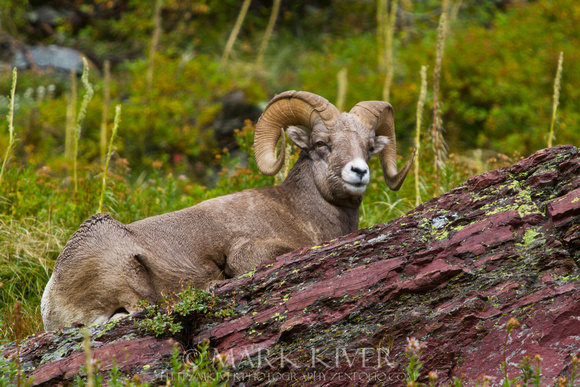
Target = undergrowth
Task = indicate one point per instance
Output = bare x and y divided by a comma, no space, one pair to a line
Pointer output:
161,317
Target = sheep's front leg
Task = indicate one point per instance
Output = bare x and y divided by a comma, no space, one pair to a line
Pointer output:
245,255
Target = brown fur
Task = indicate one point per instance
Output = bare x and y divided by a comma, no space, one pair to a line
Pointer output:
106,266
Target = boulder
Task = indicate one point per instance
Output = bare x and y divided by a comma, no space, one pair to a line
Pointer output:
450,273
50,57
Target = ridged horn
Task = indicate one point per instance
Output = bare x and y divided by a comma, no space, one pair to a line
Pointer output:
286,109
378,115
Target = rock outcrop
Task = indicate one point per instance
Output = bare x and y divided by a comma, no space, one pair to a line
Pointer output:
451,273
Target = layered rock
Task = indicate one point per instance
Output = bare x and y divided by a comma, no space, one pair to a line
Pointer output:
451,273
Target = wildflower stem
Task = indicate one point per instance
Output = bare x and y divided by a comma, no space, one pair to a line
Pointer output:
81,116
88,362
420,106
71,108
268,32
10,124
113,133
439,146
235,31
105,116
556,97
389,32
154,43
342,78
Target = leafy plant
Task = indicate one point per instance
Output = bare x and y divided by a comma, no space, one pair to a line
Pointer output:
161,317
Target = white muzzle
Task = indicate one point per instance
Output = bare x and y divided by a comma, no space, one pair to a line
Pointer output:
356,175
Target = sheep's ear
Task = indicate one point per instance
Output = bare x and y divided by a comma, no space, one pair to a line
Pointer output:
380,143
300,137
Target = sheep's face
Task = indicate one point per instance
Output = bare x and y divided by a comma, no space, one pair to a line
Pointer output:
340,157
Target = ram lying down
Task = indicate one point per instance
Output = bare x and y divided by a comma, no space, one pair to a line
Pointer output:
107,267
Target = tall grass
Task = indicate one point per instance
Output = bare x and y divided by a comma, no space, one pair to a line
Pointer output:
88,357
342,79
71,112
154,44
235,32
268,32
381,33
439,145
10,124
80,117
108,158
455,10
105,115
555,97
27,249
419,118
387,21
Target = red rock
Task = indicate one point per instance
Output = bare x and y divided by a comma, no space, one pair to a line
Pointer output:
564,208
451,273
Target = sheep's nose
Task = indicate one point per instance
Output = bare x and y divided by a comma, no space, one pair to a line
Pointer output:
359,171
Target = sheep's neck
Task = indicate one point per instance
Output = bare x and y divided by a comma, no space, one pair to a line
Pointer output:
303,196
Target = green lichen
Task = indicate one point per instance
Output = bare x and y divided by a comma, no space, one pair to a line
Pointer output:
444,234
529,237
251,273
319,246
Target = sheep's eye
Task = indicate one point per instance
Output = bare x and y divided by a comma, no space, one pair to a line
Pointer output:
319,144
372,149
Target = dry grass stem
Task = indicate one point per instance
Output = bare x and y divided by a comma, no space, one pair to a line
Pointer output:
88,357
419,117
268,32
455,10
105,116
10,123
80,117
108,158
71,111
235,31
381,32
439,145
388,39
154,43
342,78
556,97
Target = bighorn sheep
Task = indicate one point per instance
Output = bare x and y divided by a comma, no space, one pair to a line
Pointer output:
107,267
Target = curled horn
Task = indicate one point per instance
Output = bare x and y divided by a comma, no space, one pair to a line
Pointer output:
378,116
286,109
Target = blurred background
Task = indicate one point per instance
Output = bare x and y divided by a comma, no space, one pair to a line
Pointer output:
183,94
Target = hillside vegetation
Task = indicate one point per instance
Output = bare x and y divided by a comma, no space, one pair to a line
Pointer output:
171,74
